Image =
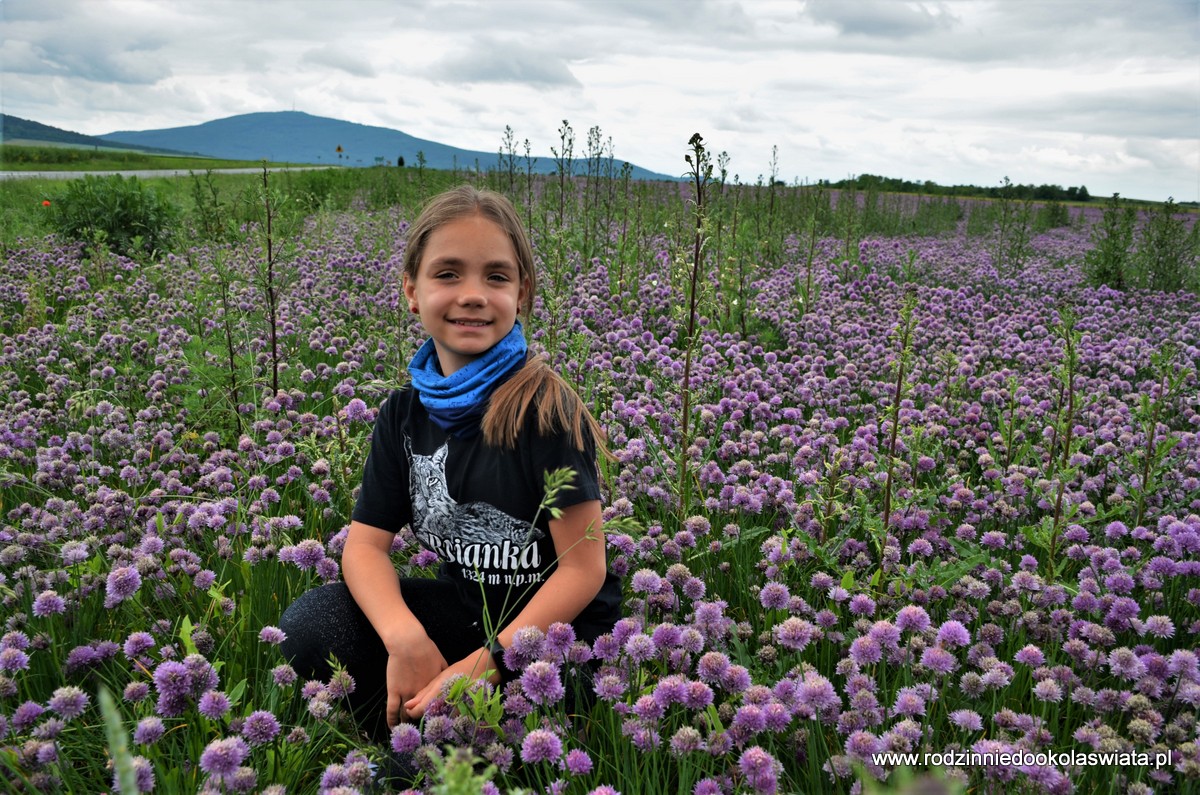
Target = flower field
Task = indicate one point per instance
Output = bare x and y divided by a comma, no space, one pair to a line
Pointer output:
886,477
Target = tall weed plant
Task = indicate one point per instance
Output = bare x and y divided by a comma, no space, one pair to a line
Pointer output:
123,213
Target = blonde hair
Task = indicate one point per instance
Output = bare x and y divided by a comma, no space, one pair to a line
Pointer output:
536,384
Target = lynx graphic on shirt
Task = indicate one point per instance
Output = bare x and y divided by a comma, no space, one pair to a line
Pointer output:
476,535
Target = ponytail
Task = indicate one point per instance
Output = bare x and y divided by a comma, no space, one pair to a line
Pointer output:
558,407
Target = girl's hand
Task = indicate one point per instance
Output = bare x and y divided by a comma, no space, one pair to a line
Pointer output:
413,663
477,665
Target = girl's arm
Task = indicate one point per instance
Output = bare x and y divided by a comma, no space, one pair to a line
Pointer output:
413,659
582,566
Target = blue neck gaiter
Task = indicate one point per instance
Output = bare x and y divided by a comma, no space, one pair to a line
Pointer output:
457,402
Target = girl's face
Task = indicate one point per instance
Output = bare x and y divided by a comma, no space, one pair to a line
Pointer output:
467,289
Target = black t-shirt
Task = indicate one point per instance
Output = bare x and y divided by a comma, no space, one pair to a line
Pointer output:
476,506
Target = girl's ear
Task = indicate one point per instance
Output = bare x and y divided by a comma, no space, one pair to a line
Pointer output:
410,292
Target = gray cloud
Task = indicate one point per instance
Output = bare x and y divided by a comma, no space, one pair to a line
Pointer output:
881,18
490,60
339,58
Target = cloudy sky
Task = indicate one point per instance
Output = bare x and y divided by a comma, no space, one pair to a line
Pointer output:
1101,93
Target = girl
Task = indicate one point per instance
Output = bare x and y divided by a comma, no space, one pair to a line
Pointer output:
460,455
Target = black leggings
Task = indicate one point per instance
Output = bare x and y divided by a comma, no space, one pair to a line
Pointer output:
326,621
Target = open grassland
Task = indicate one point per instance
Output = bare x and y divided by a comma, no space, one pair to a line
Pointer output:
891,474
28,157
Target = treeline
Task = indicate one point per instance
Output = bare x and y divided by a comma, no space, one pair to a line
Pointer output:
930,188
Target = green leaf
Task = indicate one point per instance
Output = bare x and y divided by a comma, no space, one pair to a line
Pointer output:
185,635
118,743
235,695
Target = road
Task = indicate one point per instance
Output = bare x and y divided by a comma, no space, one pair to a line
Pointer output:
145,174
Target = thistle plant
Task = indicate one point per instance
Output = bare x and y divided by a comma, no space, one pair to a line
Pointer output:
564,167
1013,231
903,340
701,176
1169,379
1107,262
276,222
1061,469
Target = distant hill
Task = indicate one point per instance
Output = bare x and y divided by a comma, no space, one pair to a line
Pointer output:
296,137
17,130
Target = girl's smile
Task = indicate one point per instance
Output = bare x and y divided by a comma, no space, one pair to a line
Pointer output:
467,289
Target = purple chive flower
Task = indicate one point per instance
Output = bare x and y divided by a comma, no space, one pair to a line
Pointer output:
912,618
750,717
862,605
560,637
760,769
14,640
712,666
794,633
26,715
885,633
122,583
640,647
1030,655
406,738
272,635
577,762
528,643
1047,690
774,596
541,683
1125,664
736,679
341,684
69,702
646,581
357,411
540,745
136,691
213,704
699,695
260,727
48,603
283,674
149,731
938,660
222,758
967,720
865,651
1159,627
953,633
13,660
862,745
909,702
137,644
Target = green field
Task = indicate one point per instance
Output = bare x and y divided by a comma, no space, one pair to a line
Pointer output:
45,157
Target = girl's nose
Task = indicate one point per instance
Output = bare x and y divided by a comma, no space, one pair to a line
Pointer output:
471,294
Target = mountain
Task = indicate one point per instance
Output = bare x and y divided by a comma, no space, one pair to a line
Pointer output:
14,129
297,137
